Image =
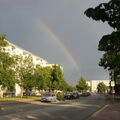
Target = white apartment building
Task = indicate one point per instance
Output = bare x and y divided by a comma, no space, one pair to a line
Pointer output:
15,50
88,82
94,84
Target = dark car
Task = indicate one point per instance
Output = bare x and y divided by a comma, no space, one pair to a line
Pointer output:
69,96
75,95
86,93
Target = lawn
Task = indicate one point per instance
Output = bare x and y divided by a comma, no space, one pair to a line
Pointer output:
19,98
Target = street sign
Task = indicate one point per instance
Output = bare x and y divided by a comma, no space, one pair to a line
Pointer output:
112,83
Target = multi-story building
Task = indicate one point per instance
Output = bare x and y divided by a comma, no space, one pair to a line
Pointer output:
15,50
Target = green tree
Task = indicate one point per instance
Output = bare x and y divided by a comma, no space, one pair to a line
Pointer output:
49,78
82,85
64,85
110,44
24,73
57,77
7,74
69,88
43,78
106,12
101,87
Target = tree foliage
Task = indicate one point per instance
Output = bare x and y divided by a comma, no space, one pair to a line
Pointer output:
50,78
21,70
43,78
109,44
106,12
24,72
7,74
101,87
57,77
82,85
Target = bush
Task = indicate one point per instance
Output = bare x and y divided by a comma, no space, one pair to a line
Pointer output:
60,97
101,87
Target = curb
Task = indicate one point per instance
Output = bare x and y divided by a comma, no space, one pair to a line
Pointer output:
107,103
1,108
97,112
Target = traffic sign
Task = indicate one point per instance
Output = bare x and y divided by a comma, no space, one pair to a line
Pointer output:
112,83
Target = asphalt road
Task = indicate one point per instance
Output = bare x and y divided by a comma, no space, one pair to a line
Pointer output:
78,109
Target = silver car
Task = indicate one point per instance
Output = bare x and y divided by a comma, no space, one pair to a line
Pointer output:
49,97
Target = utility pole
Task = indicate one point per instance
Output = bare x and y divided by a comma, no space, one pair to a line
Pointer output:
112,85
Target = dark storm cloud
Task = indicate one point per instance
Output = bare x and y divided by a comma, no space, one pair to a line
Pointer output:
20,20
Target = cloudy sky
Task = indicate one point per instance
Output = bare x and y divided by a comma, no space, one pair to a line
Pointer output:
57,31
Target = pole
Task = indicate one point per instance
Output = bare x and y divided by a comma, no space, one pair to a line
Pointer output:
113,84
113,95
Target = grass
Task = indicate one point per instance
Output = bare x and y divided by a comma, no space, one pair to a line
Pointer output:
19,98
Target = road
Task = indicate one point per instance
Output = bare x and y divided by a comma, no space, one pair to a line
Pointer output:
78,109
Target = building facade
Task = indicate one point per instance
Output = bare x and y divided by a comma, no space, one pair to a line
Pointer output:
94,84
15,50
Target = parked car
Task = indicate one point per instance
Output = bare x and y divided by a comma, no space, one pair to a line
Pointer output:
75,95
49,97
69,96
86,93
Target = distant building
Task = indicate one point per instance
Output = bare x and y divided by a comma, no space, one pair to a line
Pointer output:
94,84
88,82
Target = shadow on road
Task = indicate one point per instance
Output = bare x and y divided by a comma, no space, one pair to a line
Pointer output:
78,109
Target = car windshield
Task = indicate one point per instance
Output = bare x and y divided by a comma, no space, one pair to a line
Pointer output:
48,94
74,93
68,93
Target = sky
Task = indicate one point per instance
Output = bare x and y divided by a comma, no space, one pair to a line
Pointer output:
59,32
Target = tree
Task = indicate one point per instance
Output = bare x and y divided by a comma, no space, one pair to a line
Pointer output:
43,78
47,78
57,77
106,12
82,85
101,87
110,44
64,85
24,73
7,74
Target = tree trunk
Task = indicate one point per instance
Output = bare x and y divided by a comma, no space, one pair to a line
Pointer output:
21,92
1,94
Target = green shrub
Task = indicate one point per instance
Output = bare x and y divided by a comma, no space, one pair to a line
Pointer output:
60,97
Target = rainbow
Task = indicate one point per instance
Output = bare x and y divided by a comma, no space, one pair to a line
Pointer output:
53,35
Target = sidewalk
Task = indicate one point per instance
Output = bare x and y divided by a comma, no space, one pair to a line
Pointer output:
109,112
